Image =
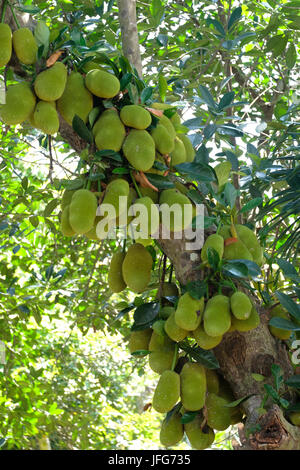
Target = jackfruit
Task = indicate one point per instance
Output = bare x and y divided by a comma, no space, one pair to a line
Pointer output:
102,83
115,278
214,241
116,189
20,103
76,99
180,216
167,391
91,65
199,439
280,312
248,237
217,319
171,431
65,226
82,211
139,340
212,381
173,330
192,386
189,312
135,116
92,234
165,312
159,327
167,289
49,85
218,415
240,305
5,44
178,155
45,117
109,131
237,250
249,324
136,268
165,121
162,353
25,46
189,149
66,197
139,149
164,142
204,340
147,214
295,418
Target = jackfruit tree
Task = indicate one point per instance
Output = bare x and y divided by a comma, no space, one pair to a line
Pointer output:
216,322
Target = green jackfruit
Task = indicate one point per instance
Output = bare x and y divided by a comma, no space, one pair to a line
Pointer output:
189,312
20,103
115,278
139,149
171,430
240,305
91,65
165,312
5,44
25,46
167,289
295,418
135,116
164,142
139,340
218,415
237,250
214,241
116,189
150,193
178,155
102,84
249,324
45,117
147,216
159,327
248,237
76,99
204,340
66,197
49,85
180,215
65,226
165,121
189,149
192,386
82,209
162,353
167,391
173,330
217,319
136,268
280,312
109,131
212,381
200,439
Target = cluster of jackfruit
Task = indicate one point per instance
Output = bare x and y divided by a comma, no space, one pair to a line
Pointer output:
234,242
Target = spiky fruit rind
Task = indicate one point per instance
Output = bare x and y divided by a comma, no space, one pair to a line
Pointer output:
136,268
25,46
240,305
214,241
115,278
192,386
49,85
19,105
135,116
76,99
189,312
218,414
167,391
45,117
217,319
83,208
102,83
139,340
139,149
199,439
204,340
171,430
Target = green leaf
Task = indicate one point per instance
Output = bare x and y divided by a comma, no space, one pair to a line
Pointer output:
189,416
213,258
157,10
241,268
234,17
197,171
226,100
289,305
146,94
81,129
230,194
293,381
146,313
196,289
258,377
204,357
207,97
50,207
271,392
235,403
256,202
217,25
160,182
284,324
125,80
162,87
278,375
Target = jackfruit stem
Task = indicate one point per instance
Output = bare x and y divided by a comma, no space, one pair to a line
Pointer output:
135,185
3,11
13,14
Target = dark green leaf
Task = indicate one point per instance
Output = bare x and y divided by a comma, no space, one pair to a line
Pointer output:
206,358
146,313
160,182
289,304
234,17
207,97
189,416
226,100
146,94
81,129
256,202
196,289
293,381
50,207
284,324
